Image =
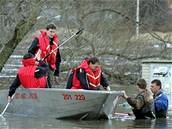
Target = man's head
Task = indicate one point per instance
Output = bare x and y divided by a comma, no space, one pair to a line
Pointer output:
141,83
155,86
93,63
51,29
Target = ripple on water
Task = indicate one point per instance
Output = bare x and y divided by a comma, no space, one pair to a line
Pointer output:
14,122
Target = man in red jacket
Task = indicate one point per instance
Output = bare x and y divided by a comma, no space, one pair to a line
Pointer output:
43,45
88,75
30,75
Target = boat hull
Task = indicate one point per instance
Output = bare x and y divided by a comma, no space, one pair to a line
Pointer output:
61,103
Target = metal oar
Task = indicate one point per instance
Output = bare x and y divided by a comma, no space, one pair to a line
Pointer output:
6,107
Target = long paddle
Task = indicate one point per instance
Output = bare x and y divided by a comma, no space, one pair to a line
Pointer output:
6,107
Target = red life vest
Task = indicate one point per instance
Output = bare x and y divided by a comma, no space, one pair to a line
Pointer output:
92,77
45,48
75,82
26,75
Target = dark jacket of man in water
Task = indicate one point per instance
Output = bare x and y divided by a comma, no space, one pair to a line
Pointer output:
143,103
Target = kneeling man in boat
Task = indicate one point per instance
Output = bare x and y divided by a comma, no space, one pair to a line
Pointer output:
88,75
30,75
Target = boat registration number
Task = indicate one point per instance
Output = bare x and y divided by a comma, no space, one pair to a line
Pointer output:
26,95
74,97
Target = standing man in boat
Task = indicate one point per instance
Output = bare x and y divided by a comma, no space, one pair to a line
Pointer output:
88,75
160,99
42,45
30,75
143,103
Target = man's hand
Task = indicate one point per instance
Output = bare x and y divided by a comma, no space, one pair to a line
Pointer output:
124,95
108,88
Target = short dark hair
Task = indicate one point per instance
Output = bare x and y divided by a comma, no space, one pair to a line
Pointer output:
141,83
51,26
28,55
157,82
93,60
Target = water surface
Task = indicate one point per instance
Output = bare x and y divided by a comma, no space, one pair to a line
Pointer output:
14,122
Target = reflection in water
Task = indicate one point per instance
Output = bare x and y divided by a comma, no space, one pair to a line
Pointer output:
142,123
3,123
14,122
161,124
149,124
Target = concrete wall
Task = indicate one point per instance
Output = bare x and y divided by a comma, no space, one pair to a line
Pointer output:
162,70
146,72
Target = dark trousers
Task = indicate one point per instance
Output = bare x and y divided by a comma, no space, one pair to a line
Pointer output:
50,79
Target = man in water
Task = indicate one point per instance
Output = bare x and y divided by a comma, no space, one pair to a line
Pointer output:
142,104
160,99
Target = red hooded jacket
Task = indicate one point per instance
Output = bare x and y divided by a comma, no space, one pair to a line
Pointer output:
26,75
